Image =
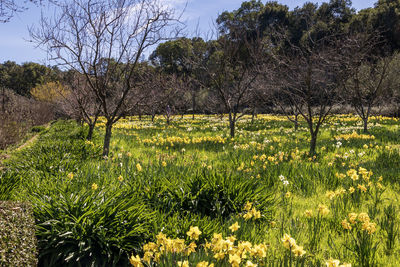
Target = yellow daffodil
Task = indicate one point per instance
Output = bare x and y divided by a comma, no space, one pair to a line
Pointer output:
194,233
234,227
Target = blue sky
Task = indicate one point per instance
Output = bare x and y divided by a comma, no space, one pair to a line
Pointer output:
14,36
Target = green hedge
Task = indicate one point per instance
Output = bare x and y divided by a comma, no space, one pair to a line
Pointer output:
17,235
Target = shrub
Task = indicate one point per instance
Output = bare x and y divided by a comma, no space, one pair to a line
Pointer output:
17,235
90,229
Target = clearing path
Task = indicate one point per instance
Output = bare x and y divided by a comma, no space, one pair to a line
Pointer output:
22,146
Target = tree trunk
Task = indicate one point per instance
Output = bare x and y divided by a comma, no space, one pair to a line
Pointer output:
313,144
193,104
253,115
90,133
365,120
107,139
153,117
232,125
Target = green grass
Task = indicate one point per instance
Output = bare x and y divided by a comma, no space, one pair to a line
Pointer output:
158,178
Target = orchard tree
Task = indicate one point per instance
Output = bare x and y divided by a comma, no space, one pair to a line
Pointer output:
308,75
179,57
105,40
80,102
370,77
232,70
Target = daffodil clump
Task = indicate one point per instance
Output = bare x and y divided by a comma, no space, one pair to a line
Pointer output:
354,135
359,221
251,212
290,244
228,250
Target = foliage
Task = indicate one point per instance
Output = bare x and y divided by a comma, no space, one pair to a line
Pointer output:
49,92
17,238
170,178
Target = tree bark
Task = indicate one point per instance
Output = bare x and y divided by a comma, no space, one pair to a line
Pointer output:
193,103
90,133
313,144
365,120
107,138
232,125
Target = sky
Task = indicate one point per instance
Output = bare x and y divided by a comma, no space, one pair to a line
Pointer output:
198,14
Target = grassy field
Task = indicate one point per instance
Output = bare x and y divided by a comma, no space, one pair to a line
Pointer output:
186,194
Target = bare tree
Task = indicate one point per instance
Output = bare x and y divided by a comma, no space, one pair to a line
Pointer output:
8,8
308,75
232,69
369,75
105,40
79,101
165,94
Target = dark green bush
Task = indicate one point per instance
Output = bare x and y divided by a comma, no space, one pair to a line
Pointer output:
8,182
90,229
17,235
220,195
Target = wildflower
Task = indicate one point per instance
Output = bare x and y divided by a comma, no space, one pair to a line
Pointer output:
204,264
352,218
183,263
120,178
308,213
234,260
362,188
135,261
272,223
191,248
139,167
248,206
288,241
194,233
161,238
250,264
346,225
148,255
363,217
369,227
380,186
351,190
94,186
234,227
70,175
163,163
332,263
323,210
219,256
299,251
288,194
259,251
330,194
256,214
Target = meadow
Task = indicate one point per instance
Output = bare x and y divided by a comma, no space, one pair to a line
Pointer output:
186,194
